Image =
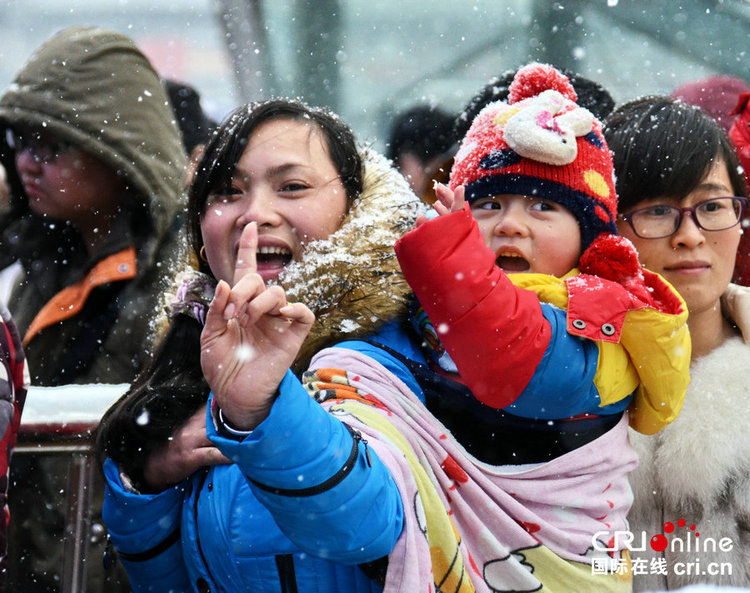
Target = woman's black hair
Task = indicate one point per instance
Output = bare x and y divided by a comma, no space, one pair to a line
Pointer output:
162,398
172,387
216,167
663,147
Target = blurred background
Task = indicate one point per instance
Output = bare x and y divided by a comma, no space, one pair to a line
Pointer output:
369,59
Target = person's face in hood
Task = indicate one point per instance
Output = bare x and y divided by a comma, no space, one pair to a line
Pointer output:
64,183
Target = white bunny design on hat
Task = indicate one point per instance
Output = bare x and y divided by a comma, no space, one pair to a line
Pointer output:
537,131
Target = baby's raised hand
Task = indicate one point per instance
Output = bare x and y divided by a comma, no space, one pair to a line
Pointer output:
448,201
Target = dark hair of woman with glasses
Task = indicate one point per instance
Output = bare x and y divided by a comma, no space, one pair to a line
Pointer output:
682,196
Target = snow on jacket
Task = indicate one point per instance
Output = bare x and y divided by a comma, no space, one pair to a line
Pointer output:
14,382
698,470
544,347
84,318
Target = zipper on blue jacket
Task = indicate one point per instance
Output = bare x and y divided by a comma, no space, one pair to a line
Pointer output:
287,576
197,530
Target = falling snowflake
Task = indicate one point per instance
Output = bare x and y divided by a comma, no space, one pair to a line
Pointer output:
143,418
245,353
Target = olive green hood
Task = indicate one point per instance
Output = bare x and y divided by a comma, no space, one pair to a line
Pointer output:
95,89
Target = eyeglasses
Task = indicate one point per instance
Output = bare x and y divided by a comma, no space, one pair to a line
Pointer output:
662,220
43,149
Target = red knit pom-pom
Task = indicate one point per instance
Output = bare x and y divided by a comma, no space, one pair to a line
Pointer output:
536,78
610,257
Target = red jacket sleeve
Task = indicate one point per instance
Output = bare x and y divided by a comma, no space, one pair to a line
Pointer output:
739,134
494,332
13,387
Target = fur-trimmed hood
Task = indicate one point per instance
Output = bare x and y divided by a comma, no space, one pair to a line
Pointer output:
351,281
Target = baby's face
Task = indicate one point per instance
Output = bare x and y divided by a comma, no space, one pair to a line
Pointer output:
529,234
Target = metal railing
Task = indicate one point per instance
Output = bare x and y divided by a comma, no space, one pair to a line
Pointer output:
61,421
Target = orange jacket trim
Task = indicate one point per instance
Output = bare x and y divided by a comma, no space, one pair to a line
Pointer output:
70,300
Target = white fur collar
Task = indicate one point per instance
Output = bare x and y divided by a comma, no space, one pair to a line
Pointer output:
709,442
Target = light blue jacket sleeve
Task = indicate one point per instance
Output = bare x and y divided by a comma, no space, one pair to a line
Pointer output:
146,529
327,491
563,383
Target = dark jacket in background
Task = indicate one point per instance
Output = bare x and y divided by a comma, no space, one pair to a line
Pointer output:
85,317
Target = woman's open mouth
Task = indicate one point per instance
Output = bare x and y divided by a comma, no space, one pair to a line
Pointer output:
272,255
271,260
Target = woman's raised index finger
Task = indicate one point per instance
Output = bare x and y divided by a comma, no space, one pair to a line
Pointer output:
246,254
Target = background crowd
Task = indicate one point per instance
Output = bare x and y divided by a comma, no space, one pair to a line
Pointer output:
145,243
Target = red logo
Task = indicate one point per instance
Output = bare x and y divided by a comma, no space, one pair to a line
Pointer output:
659,542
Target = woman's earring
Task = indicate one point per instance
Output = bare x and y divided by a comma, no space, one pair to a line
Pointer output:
202,253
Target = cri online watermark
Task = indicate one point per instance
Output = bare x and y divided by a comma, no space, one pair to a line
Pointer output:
688,540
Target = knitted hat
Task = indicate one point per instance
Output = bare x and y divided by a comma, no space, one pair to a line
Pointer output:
541,143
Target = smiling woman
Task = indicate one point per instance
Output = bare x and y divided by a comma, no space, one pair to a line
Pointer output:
281,196
286,183
682,197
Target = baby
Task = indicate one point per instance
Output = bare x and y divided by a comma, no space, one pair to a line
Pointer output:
546,314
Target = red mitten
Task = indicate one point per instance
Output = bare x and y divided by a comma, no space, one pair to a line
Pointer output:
614,258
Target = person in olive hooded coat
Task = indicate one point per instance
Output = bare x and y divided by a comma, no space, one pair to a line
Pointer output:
88,104
95,164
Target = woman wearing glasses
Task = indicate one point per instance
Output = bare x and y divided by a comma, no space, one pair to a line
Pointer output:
95,164
682,195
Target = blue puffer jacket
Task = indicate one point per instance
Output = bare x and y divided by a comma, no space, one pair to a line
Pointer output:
238,527
216,532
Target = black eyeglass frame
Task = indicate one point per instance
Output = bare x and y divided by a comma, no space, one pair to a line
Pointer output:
42,151
627,216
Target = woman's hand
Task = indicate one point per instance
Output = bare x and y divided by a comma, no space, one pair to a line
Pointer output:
448,202
251,337
187,450
735,304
